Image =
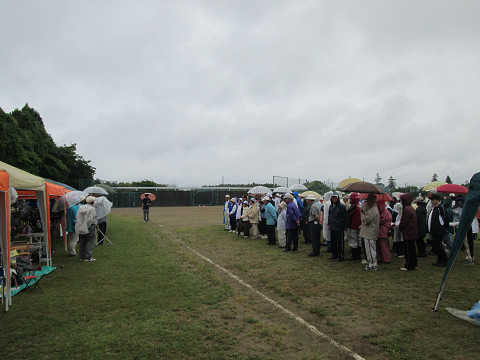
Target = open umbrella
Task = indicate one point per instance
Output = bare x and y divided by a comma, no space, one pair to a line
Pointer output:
433,184
314,193
281,189
363,187
68,200
95,190
150,196
347,181
259,190
107,188
102,206
380,197
13,195
298,187
452,188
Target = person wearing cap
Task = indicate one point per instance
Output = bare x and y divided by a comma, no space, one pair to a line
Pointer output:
292,223
85,227
421,213
238,215
245,223
337,221
281,229
408,227
314,224
369,230
271,218
438,226
226,213
353,225
232,212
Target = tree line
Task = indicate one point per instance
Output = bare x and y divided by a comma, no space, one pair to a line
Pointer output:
26,145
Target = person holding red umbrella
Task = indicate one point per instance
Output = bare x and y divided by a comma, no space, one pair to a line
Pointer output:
146,201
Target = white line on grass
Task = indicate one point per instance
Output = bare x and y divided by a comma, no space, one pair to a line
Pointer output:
278,306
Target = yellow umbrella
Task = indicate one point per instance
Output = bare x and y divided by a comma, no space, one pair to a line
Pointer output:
433,184
347,181
314,193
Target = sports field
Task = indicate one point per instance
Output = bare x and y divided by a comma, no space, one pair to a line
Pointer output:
180,287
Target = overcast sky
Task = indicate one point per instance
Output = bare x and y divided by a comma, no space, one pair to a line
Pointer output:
185,92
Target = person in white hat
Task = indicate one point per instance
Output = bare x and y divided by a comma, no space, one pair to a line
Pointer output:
226,213
281,230
85,228
271,218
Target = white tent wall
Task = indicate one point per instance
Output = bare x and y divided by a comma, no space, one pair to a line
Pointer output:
42,206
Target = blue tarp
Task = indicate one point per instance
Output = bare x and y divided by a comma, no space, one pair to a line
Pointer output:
45,270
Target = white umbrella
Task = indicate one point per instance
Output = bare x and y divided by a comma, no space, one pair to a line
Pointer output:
68,200
281,189
95,190
13,195
259,190
297,187
102,206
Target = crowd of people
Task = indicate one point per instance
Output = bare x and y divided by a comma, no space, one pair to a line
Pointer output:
366,224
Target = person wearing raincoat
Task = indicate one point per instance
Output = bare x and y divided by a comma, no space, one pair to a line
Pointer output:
85,227
397,234
281,229
324,219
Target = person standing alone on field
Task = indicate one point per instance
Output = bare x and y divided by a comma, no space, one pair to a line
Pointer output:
146,208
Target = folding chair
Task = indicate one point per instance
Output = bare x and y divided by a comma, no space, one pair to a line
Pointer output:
32,281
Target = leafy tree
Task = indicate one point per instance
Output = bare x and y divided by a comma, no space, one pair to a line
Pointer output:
27,145
435,177
414,190
448,180
392,183
318,186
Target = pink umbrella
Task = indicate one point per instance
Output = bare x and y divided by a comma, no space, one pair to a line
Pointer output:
150,196
452,188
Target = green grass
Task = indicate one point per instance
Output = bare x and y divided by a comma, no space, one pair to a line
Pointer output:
143,298
148,297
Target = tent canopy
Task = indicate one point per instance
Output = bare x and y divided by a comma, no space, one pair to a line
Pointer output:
20,179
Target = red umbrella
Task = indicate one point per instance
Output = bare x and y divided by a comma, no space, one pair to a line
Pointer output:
150,196
380,197
452,188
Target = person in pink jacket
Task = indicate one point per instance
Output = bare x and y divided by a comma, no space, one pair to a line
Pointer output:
384,225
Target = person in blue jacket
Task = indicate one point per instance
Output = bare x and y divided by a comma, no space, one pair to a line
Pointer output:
271,218
72,236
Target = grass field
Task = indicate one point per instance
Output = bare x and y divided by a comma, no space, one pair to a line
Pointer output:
151,297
